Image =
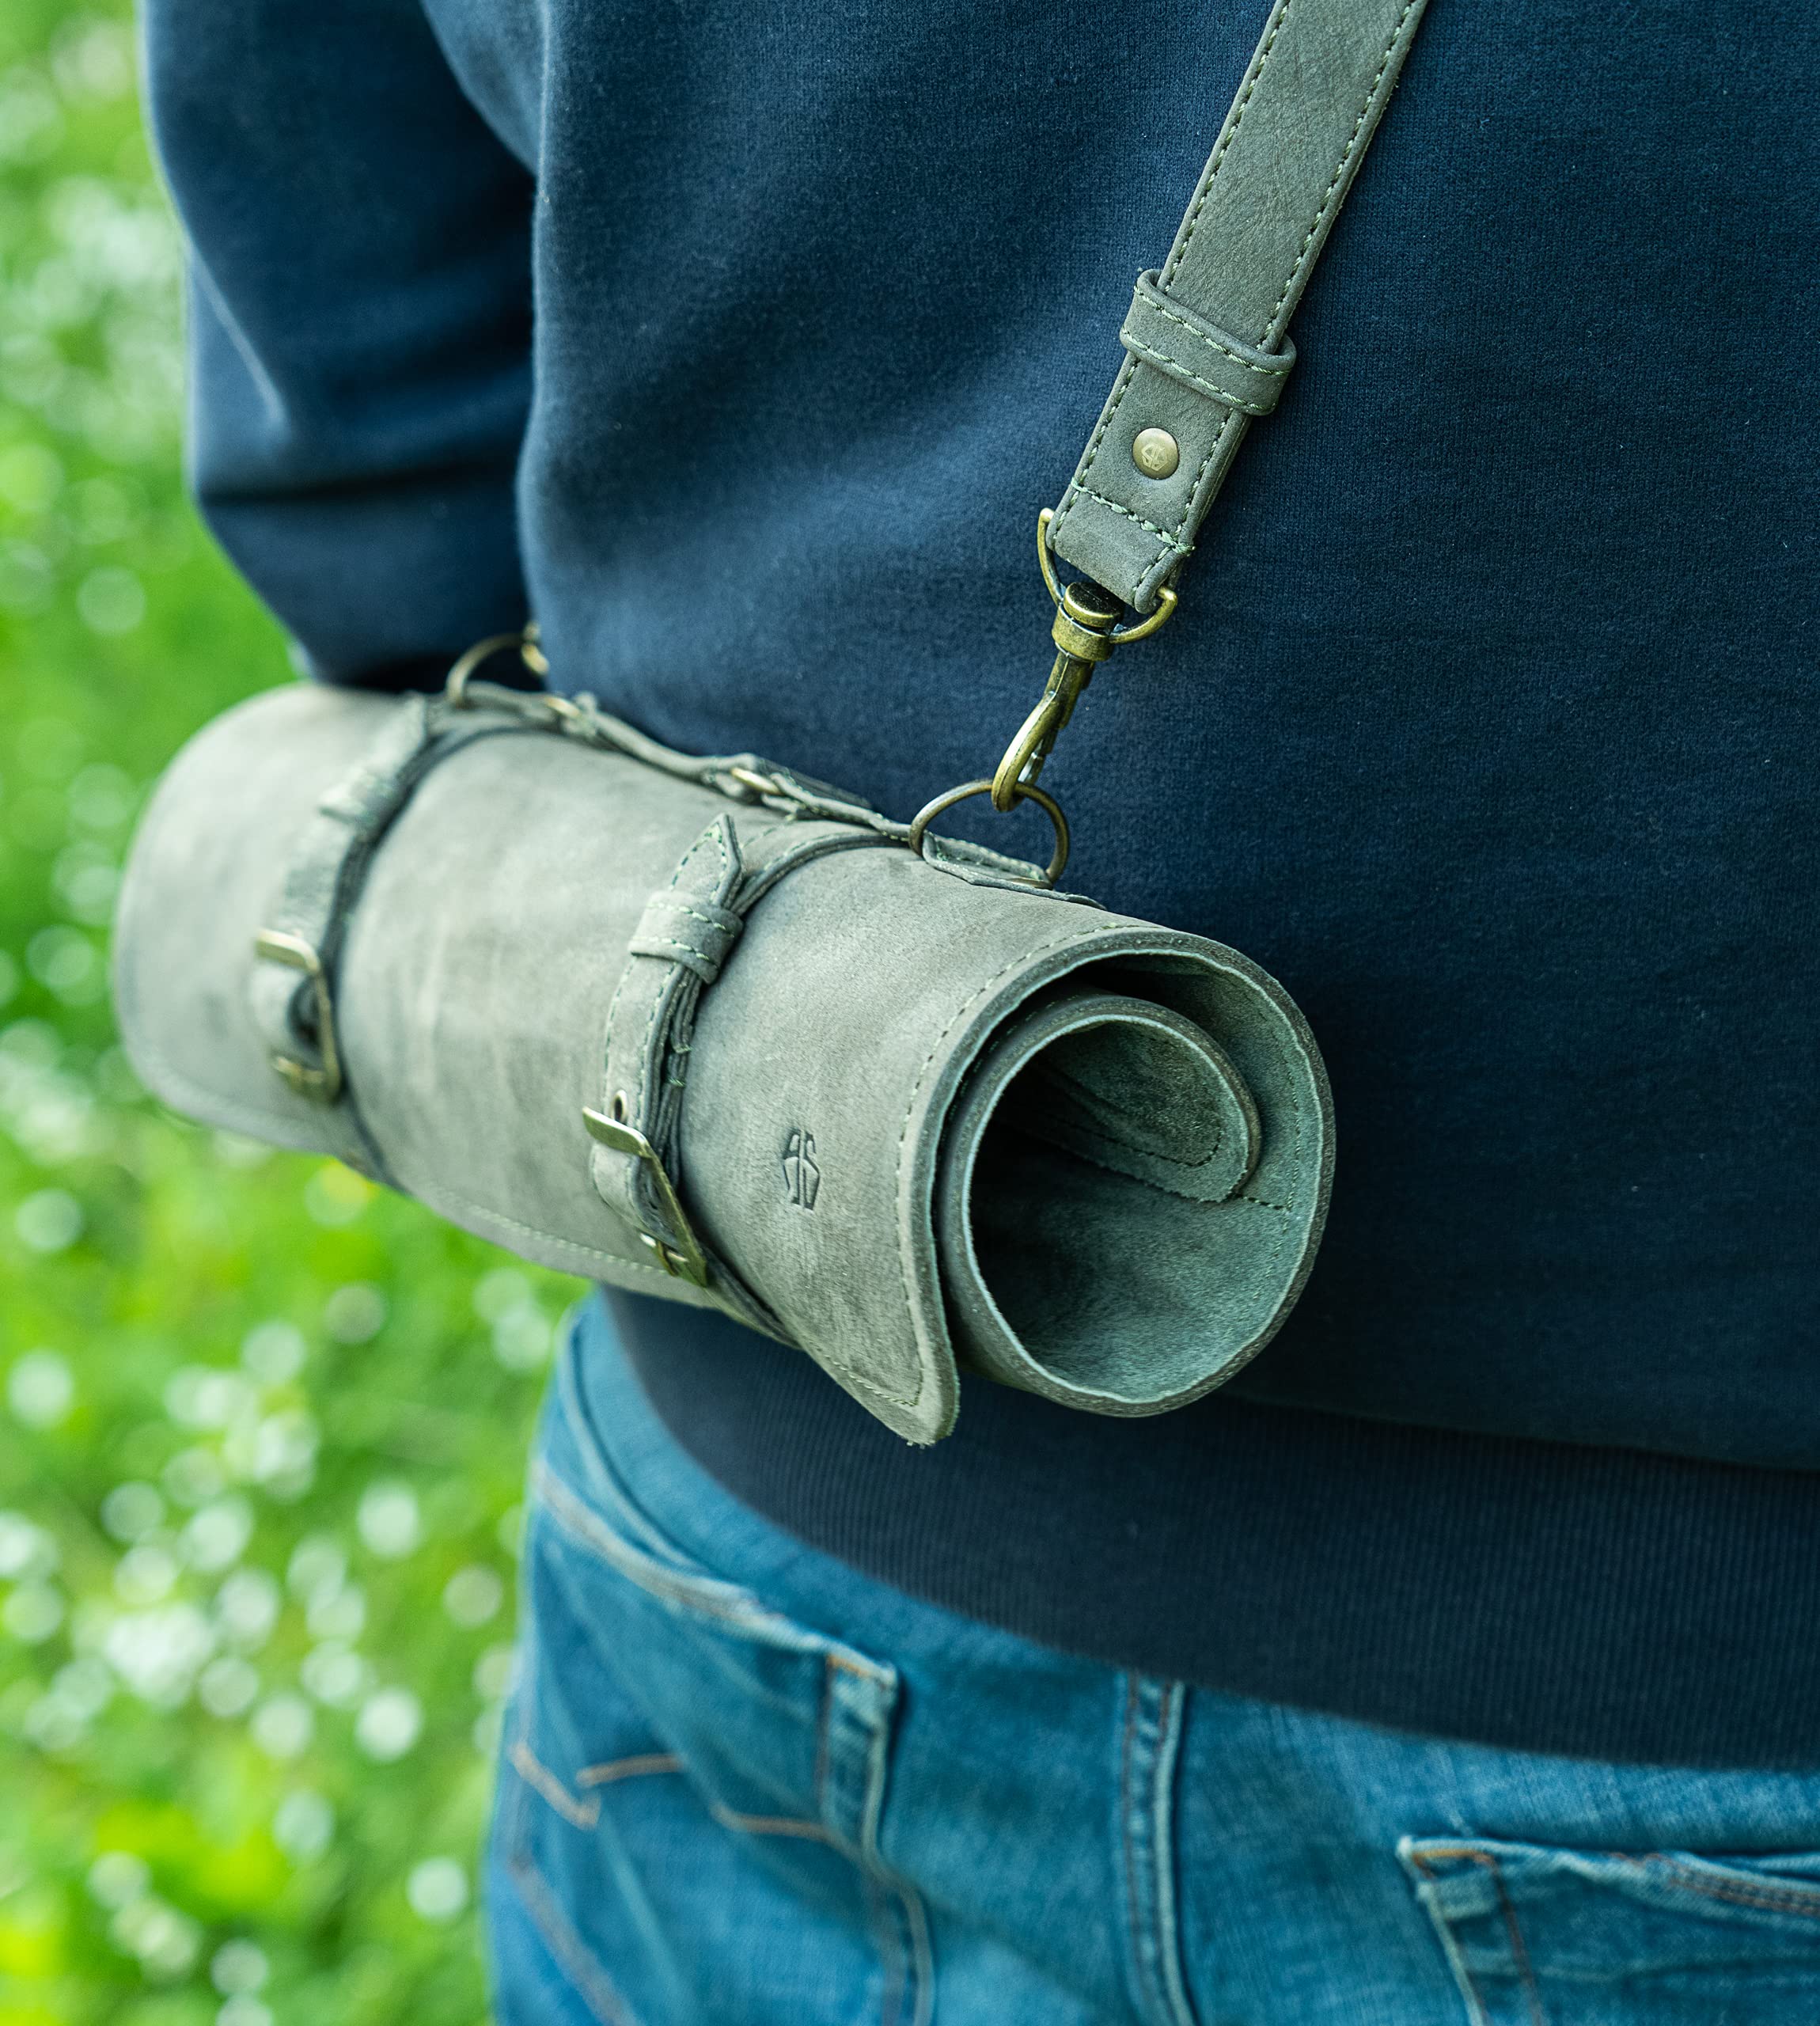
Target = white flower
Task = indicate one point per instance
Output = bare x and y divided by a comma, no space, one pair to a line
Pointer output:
193,1476
203,1396
355,1313
26,1549
389,1724
283,1726
335,1675
49,1221
40,1388
32,1613
166,1942
497,1293
216,1536
389,1519
145,1574
273,1352
229,1687
493,1672
473,1595
130,1511
437,1889
338,1613
318,1567
237,1966
117,1878
304,1826
158,1653
247,1606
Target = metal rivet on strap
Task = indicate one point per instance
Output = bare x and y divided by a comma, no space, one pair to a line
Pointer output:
1156,453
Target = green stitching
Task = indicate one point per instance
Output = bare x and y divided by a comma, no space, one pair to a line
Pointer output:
1150,527
1340,168
1224,143
1176,370
1194,330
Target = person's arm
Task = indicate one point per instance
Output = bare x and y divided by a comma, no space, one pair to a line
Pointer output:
360,323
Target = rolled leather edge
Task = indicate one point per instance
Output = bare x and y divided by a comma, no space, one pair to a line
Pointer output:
1092,1256
820,1078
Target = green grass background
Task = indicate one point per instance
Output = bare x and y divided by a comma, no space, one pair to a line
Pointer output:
261,1427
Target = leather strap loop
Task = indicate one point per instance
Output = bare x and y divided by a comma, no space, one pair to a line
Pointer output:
685,934
689,931
1168,334
645,1051
303,930
290,990
323,876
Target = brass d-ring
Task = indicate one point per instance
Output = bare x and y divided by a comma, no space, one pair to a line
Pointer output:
523,644
1022,791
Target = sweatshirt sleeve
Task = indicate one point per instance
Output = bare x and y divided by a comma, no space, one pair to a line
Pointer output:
360,323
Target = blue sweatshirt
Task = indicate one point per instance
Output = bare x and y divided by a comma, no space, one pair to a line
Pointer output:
740,344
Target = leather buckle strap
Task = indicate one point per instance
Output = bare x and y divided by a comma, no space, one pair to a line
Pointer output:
1206,348
685,931
308,918
321,1080
1304,114
303,931
679,1253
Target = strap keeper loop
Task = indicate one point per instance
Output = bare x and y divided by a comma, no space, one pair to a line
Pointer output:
1166,334
687,929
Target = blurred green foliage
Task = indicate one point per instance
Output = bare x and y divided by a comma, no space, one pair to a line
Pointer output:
261,1427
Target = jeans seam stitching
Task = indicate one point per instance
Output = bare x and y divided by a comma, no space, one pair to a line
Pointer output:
1519,1949
1167,1936
1417,1861
1135,1927
770,1825
637,1767
588,1978
889,1944
578,1813
921,1955
1768,1897
823,1717
912,1967
738,1609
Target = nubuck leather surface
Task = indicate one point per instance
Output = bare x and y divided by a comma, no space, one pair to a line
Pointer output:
907,1112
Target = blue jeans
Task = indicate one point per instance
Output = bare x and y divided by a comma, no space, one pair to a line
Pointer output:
742,1782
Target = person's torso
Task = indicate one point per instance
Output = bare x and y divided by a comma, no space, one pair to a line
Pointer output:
1489,720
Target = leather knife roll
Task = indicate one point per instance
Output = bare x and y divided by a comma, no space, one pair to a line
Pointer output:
909,1116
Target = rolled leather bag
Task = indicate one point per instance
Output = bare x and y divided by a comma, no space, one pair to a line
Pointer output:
703,1029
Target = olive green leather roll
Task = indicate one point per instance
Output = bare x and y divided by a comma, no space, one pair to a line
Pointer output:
909,1114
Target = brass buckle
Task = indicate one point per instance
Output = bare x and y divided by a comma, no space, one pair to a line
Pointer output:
685,1260
322,1086
1086,631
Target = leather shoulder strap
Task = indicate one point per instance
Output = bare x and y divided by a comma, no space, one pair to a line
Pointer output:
1204,339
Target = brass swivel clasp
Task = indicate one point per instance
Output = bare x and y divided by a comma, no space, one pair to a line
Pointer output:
1086,630
1085,616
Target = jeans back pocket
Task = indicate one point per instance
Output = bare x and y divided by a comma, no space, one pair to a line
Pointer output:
692,1781
1544,1936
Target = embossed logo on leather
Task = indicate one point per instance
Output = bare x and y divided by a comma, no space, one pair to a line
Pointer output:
802,1176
